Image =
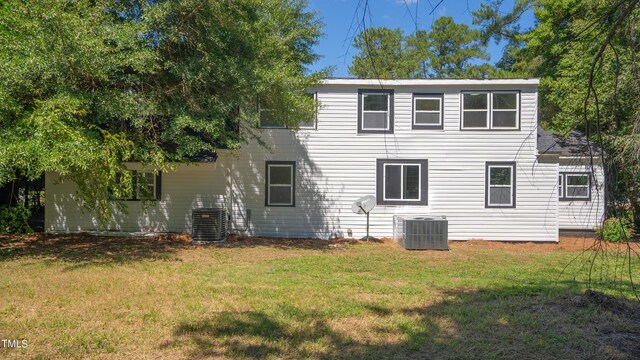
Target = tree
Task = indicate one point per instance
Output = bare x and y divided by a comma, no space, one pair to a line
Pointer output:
383,53
452,47
89,85
447,50
585,53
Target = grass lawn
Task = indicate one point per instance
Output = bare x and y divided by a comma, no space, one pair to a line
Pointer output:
82,296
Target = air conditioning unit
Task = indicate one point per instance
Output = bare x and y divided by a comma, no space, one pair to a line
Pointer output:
208,224
421,232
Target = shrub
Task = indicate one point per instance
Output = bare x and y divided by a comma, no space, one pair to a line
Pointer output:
15,220
615,230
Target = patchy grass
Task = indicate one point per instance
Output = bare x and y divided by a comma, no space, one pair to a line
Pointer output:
90,297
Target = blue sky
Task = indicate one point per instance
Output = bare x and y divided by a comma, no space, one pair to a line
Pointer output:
338,17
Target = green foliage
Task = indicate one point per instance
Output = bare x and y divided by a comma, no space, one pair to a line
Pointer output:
615,230
384,53
446,50
572,40
14,219
89,85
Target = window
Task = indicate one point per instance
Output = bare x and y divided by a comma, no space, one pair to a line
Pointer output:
145,185
498,110
401,182
500,189
427,111
375,111
312,123
280,184
575,186
267,119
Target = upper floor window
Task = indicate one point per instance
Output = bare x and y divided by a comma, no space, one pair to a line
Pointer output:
375,111
427,111
401,182
574,186
267,118
280,183
483,110
311,124
500,187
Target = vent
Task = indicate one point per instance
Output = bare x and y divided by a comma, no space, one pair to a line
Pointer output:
421,232
209,224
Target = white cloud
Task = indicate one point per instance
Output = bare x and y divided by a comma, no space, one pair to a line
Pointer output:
402,2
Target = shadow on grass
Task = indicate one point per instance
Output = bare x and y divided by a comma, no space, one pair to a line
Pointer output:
87,249
501,323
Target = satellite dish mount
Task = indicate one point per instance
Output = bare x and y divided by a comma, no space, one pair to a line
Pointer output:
364,205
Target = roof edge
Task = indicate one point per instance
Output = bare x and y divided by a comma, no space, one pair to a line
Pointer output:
405,82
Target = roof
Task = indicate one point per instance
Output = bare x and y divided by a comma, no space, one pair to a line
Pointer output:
427,82
573,144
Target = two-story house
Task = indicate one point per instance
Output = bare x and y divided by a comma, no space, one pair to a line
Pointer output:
467,149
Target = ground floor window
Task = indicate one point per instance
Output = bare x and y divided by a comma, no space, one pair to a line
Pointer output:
500,189
574,186
401,182
144,185
280,183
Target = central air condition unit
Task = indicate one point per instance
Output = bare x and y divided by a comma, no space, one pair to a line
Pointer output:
421,232
208,224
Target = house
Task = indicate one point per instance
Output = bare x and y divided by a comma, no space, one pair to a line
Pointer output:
467,149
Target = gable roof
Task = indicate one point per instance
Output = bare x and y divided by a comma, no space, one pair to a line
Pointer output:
573,144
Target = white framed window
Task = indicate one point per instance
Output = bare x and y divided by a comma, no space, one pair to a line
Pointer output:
280,183
427,111
505,107
375,111
312,123
500,189
576,186
475,110
490,110
401,182
267,119
145,185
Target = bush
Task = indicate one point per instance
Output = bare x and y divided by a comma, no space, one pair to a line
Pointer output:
615,230
15,220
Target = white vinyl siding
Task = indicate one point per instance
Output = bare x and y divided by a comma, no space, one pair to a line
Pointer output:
186,188
580,213
335,166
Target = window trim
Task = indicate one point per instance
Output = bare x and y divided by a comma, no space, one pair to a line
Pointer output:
390,100
267,182
565,184
381,181
417,96
490,110
560,186
314,94
487,184
157,185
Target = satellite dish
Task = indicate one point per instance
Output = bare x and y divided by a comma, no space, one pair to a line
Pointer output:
364,205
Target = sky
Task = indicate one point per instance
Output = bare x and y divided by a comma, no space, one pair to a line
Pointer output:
338,16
